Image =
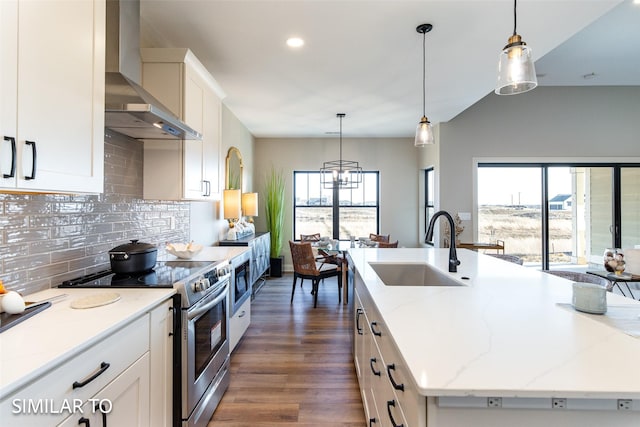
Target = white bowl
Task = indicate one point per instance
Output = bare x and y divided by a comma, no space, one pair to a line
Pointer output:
183,250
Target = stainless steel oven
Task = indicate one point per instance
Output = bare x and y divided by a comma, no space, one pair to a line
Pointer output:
201,348
205,354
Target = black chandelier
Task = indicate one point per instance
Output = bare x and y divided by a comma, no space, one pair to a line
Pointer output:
342,174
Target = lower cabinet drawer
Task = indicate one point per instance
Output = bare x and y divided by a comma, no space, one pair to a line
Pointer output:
239,323
52,398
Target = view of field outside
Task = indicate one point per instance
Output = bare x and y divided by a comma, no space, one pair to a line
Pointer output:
314,210
520,229
358,222
509,209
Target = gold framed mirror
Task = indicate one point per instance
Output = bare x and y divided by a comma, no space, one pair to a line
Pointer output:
233,172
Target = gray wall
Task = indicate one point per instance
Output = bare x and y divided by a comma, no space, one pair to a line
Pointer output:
396,160
207,225
601,123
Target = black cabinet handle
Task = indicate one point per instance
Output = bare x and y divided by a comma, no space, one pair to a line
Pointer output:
33,164
376,333
372,421
391,403
84,421
390,368
103,367
103,410
371,362
358,327
12,173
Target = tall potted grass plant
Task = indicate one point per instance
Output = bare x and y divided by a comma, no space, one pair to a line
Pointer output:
274,209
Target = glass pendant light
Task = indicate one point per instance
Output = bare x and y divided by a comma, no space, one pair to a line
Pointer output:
424,131
516,72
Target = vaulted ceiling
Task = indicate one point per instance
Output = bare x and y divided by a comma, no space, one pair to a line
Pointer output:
364,57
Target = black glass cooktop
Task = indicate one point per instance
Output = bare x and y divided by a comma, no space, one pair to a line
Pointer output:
163,275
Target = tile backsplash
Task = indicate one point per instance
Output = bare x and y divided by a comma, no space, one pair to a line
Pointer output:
46,239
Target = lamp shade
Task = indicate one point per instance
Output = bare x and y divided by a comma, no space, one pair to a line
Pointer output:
250,204
232,207
516,72
424,133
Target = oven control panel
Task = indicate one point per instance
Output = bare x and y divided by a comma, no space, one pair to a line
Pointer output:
207,279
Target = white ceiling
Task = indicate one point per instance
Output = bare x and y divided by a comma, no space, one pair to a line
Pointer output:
364,57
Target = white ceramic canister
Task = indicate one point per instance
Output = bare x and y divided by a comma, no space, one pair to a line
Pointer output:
590,298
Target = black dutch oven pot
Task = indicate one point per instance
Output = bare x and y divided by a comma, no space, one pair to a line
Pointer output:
134,257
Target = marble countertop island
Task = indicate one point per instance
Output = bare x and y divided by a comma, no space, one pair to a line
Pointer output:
507,331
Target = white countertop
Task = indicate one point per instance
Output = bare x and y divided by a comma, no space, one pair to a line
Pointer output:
52,336
503,332
211,253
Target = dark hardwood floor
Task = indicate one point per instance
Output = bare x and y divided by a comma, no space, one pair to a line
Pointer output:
294,365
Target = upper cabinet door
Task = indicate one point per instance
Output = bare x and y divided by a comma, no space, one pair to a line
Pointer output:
59,121
187,170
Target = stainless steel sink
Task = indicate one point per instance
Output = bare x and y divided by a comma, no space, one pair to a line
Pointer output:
412,274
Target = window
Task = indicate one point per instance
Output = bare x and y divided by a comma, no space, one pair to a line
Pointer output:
429,196
357,212
555,215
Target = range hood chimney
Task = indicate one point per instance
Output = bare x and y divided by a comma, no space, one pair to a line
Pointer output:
129,108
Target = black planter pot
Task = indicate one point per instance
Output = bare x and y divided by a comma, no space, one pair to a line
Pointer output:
275,269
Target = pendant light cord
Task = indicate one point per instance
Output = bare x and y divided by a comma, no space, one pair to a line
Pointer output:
515,17
424,75
340,141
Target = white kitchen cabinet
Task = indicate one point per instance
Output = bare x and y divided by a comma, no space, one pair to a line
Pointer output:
78,379
161,364
388,394
123,402
188,169
52,95
129,371
239,323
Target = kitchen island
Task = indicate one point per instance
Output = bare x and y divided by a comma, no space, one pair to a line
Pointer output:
503,346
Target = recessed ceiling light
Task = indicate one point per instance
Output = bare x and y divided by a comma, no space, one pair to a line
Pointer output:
295,42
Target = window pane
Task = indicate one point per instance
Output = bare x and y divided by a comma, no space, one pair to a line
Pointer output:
562,207
630,192
600,183
357,222
310,220
509,210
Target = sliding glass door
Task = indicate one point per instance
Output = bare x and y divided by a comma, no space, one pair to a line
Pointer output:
630,206
509,210
559,215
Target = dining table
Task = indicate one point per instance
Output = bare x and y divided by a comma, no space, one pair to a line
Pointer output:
340,252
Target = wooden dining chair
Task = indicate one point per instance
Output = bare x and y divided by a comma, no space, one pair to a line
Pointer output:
310,237
305,267
388,244
379,237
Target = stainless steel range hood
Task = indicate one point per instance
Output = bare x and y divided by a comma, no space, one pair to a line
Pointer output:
129,108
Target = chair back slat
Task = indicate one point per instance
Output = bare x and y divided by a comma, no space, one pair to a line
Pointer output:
304,262
380,237
310,237
388,244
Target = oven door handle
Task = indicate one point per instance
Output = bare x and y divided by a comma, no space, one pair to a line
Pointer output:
197,311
